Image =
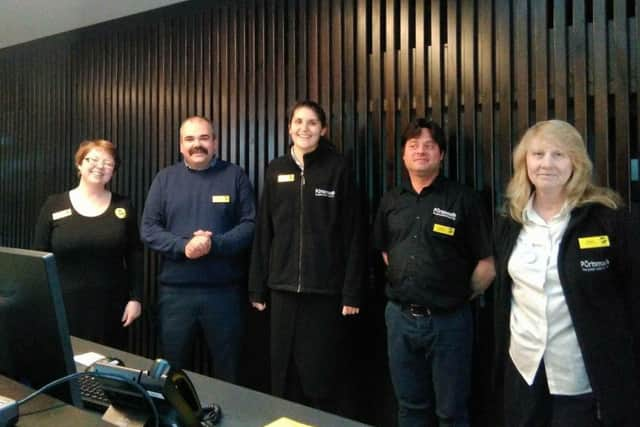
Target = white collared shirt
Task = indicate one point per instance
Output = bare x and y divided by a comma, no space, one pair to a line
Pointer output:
541,326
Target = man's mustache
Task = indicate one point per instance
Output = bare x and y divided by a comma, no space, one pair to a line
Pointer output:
199,149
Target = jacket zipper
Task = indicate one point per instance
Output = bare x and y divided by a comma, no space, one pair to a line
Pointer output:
300,232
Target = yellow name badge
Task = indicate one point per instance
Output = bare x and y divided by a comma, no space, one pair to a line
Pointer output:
221,199
61,214
286,178
593,242
443,229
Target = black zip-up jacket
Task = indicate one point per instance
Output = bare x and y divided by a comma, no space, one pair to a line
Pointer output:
601,289
309,237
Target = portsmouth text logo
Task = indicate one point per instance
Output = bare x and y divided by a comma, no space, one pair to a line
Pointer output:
325,193
590,266
445,214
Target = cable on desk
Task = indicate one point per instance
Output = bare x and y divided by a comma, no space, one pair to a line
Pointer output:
70,377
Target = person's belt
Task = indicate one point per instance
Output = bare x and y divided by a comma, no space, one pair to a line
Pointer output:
417,310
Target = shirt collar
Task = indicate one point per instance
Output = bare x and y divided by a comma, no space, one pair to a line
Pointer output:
529,214
214,160
295,159
435,184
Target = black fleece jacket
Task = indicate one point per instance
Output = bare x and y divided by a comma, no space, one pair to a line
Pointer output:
601,289
309,235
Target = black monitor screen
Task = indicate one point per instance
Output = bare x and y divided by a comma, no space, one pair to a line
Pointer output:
35,348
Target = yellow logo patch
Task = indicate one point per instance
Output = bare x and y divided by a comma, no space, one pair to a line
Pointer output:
443,229
121,213
221,199
592,242
286,178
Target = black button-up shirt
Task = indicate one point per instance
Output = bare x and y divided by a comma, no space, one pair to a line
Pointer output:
433,240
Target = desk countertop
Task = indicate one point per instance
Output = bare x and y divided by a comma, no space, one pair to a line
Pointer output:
47,411
241,406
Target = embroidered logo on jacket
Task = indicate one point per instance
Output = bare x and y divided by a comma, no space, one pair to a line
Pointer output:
445,214
325,193
591,266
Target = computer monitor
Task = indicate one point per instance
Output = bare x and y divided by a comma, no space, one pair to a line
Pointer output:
35,348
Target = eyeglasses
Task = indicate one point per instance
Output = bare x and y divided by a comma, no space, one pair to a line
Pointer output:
94,161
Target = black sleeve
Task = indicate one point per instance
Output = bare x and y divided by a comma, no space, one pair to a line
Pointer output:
42,237
629,235
354,244
478,227
134,255
260,253
380,226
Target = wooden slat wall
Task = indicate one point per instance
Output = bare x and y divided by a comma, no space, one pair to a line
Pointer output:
486,70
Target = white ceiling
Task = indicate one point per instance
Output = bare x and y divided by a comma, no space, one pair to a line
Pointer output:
25,20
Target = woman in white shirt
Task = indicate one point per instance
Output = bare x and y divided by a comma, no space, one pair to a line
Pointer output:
565,290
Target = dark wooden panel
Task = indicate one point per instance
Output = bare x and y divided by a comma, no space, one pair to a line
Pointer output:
486,89
390,94
376,100
404,76
333,82
451,89
579,70
505,135
282,100
436,63
600,94
468,90
540,60
521,66
420,61
560,53
620,66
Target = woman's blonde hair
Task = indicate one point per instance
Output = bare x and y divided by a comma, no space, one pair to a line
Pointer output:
580,188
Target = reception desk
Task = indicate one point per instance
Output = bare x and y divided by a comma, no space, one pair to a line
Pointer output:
241,407
47,411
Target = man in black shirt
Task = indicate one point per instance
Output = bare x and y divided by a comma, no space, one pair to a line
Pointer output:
434,239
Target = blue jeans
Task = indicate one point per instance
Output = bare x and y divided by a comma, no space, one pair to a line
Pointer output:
220,313
430,365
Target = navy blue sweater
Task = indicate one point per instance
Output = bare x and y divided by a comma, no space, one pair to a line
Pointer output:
182,200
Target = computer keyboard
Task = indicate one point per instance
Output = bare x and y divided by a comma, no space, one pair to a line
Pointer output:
93,397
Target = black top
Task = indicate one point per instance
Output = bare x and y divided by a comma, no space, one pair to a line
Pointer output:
309,235
599,279
433,240
99,262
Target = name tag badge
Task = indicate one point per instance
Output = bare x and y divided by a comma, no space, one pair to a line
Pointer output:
61,214
221,199
592,242
443,229
286,178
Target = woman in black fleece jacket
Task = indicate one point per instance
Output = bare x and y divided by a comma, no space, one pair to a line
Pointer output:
308,250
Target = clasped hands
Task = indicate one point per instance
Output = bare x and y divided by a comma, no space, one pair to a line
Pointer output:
199,245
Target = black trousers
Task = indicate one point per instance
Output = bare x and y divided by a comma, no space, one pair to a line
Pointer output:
307,347
533,406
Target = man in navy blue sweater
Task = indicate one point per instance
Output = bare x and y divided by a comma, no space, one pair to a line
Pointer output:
200,215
